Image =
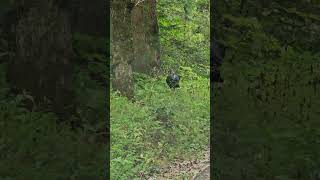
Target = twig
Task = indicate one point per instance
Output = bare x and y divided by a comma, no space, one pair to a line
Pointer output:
139,1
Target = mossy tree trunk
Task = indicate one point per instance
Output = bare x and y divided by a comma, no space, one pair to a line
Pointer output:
145,37
42,50
121,47
135,42
89,17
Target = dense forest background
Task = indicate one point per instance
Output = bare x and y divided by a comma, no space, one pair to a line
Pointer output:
53,72
155,128
54,66
267,118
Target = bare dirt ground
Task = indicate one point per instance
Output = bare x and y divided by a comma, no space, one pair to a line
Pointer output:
186,170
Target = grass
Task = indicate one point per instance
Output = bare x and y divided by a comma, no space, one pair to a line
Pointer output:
159,126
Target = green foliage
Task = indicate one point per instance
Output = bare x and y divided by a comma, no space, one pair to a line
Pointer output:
34,146
5,88
89,82
161,125
266,113
184,33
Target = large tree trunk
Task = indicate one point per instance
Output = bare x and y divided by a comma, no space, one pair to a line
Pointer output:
145,37
42,49
89,17
121,47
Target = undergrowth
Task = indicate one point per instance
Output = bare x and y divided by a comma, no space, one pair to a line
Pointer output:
42,148
160,125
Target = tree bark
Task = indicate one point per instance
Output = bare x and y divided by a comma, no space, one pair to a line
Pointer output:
145,37
42,49
121,47
88,17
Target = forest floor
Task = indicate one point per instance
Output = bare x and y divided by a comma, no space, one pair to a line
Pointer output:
186,170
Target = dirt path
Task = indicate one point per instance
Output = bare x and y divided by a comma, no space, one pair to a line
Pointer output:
186,170
204,174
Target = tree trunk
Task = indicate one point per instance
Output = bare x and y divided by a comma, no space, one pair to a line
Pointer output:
145,37
88,17
121,47
42,49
